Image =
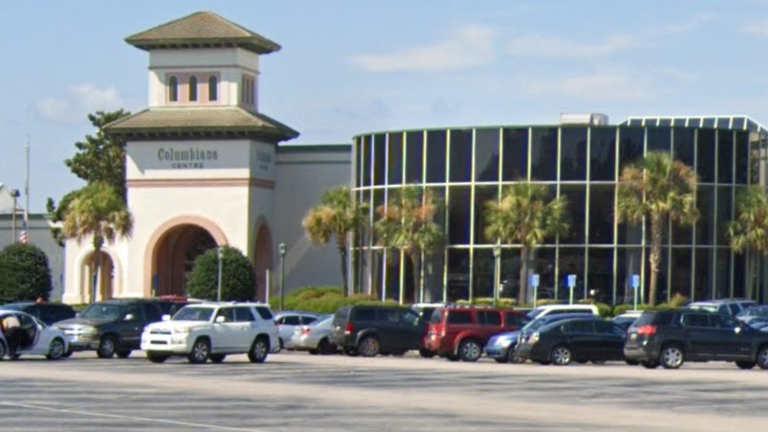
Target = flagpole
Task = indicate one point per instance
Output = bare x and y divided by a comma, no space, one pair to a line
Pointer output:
26,184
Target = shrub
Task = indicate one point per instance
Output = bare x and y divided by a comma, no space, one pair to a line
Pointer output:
606,311
237,276
24,273
679,300
322,299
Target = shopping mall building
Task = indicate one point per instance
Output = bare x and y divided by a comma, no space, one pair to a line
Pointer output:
206,167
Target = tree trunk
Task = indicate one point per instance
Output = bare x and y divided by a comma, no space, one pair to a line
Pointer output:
522,295
416,264
96,274
657,233
343,253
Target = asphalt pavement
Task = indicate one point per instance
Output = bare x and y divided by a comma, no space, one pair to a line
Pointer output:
299,392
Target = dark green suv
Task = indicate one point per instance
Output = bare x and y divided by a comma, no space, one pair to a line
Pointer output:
111,327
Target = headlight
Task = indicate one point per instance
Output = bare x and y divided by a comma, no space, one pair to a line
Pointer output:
182,330
88,331
506,342
534,338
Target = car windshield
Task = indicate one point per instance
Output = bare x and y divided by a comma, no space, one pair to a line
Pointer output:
103,312
13,306
193,314
753,311
534,313
704,307
534,325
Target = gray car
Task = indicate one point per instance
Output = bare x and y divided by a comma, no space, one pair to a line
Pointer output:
315,337
288,321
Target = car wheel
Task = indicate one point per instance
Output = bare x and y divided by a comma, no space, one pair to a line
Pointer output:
470,350
650,364
369,347
632,362
280,345
107,347
124,354
426,353
217,358
314,352
762,357
350,352
3,350
201,350
513,357
156,358
745,364
561,355
325,347
56,350
672,357
259,351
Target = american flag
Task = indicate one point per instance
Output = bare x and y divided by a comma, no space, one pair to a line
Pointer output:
23,238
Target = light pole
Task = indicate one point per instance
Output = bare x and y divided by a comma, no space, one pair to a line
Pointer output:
496,272
220,251
15,195
283,249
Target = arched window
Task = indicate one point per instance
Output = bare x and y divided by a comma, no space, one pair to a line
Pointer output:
192,88
173,89
213,88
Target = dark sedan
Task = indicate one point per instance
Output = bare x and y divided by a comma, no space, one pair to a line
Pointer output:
579,339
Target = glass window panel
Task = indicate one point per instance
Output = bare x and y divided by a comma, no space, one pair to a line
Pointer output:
482,275
358,160
703,285
665,122
487,155
193,89
742,157
630,146
514,164
662,286
682,234
628,262
678,122
458,274
602,154
378,201
433,277
683,145
601,214
395,158
705,165
739,276
367,149
659,139
705,226
510,273
544,264
483,194
213,88
461,156
708,122
754,160
544,154
393,274
571,261
576,196
379,159
681,272
630,234
739,123
724,213
414,156
377,272
725,156
694,122
573,156
459,206
436,153
723,284
600,268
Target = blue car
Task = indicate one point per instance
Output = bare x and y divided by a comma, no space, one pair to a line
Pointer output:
502,346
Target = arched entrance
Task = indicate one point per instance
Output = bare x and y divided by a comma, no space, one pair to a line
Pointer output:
103,279
263,260
175,255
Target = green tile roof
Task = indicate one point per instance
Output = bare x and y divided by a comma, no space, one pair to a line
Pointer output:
202,29
188,121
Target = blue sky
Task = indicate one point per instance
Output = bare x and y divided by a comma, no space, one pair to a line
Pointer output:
349,67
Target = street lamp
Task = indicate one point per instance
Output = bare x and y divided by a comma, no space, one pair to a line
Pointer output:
220,251
15,195
497,272
283,250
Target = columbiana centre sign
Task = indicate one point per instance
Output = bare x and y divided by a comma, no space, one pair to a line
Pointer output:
187,158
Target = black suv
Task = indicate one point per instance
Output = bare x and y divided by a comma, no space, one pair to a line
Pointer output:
48,313
669,338
372,330
111,327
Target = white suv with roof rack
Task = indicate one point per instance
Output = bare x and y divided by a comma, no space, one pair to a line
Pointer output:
547,310
212,331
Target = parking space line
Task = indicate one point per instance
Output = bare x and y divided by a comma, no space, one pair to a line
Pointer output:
132,418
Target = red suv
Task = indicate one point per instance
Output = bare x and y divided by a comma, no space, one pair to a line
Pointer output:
462,332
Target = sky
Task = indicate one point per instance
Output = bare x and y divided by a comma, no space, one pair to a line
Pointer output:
348,67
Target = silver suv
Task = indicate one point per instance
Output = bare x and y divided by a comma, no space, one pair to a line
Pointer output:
730,307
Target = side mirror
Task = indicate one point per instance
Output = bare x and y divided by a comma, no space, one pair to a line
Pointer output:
166,318
220,319
129,317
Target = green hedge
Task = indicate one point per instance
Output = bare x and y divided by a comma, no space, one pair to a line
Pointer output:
321,299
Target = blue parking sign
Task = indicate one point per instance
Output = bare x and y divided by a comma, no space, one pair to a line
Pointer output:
571,281
635,281
535,280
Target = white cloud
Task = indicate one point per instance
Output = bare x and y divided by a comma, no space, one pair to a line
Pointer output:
544,46
755,28
612,83
79,101
469,46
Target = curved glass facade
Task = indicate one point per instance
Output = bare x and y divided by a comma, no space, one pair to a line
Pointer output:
466,167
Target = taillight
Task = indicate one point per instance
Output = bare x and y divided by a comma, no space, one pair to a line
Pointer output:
350,329
306,331
646,330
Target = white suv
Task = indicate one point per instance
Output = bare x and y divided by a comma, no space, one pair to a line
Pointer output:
546,310
211,331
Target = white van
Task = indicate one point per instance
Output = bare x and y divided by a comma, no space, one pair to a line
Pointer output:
547,310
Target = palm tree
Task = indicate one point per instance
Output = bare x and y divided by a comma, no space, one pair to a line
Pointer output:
527,216
660,189
337,216
749,232
407,223
98,211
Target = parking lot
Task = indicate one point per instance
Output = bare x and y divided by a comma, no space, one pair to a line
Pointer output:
295,391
